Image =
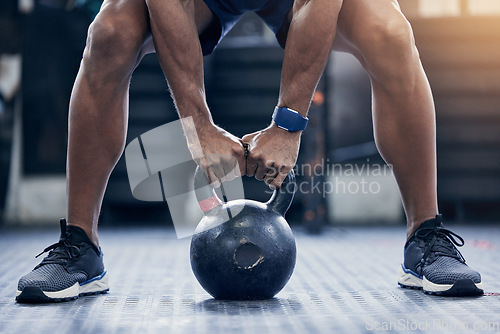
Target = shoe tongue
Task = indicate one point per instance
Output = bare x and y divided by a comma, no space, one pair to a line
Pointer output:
429,224
78,235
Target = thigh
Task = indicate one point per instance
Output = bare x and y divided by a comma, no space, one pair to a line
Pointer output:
131,12
133,17
360,21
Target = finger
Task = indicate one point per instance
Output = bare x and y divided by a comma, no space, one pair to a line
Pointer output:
227,163
268,179
239,160
241,166
278,181
212,179
231,175
261,171
203,164
216,175
251,166
239,170
271,173
283,173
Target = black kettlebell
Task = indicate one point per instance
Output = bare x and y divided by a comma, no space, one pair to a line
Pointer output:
243,249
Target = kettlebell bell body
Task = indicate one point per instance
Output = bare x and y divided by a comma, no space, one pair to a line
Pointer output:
249,256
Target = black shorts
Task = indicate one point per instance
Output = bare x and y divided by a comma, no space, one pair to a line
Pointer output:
228,12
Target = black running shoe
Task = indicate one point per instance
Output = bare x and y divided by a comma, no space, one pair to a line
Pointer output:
73,268
434,264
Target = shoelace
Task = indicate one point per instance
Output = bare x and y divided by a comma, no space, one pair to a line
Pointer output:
60,253
442,242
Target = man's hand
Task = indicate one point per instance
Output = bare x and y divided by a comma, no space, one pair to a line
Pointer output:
219,154
272,153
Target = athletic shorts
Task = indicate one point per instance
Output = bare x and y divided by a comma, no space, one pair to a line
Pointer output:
228,12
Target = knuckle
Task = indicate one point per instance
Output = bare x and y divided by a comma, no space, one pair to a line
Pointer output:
270,163
238,150
256,155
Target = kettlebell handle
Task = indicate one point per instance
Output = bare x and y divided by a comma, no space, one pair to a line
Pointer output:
282,198
207,198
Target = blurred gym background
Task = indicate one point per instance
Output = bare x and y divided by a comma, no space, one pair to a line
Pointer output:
41,43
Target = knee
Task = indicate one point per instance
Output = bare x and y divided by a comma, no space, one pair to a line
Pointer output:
396,35
113,45
389,48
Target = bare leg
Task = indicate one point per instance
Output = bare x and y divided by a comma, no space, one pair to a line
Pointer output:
377,33
118,39
98,113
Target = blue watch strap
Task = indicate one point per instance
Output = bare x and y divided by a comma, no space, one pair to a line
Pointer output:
289,119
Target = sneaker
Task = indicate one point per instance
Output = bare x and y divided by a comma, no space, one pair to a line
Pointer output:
73,268
434,264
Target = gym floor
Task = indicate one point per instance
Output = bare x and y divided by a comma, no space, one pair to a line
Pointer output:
344,282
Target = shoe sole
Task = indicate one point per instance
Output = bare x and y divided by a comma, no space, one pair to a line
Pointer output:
461,288
94,286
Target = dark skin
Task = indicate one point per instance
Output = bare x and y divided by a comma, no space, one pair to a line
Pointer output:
272,152
374,31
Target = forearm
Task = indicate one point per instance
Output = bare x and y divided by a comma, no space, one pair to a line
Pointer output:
176,41
308,46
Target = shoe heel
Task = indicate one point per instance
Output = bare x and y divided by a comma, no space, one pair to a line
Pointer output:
408,279
95,285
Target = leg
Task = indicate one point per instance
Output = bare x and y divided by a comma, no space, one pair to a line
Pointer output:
378,34
117,40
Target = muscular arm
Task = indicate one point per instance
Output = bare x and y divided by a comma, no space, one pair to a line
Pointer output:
273,151
175,37
308,46
175,34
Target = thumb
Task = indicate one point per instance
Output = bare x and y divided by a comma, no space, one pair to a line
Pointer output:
247,139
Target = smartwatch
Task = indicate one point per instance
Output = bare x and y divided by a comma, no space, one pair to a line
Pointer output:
289,119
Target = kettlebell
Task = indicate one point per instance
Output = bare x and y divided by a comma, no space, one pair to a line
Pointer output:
248,256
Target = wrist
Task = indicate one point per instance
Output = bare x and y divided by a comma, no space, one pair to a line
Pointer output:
198,126
289,119
207,129
275,128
